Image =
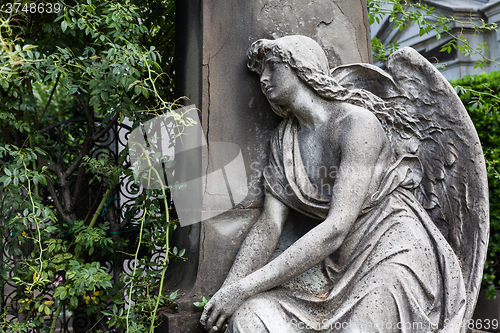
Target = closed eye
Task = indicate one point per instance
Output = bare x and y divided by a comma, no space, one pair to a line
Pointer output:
272,61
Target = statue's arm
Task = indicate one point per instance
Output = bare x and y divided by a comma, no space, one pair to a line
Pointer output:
361,146
261,241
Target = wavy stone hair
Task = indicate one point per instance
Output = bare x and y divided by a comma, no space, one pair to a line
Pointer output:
310,64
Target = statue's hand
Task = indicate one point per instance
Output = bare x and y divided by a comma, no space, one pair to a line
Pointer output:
221,306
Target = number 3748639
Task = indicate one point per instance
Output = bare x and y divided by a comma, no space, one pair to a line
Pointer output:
31,7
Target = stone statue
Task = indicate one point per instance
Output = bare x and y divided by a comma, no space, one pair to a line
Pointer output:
404,217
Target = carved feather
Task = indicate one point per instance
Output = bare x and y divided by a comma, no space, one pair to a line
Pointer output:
454,187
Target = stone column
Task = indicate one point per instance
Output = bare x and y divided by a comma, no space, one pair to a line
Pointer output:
212,39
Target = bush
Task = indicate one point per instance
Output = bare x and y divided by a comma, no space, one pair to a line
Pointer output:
68,78
481,97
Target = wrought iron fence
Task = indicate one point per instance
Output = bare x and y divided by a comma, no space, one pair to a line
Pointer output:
63,140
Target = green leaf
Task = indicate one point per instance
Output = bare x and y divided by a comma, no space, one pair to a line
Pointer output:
137,90
72,90
104,96
201,304
64,25
7,181
94,100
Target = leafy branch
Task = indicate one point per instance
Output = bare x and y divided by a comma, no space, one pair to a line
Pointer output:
402,14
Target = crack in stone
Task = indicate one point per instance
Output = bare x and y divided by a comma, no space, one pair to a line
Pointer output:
355,31
208,126
325,23
340,9
220,49
203,244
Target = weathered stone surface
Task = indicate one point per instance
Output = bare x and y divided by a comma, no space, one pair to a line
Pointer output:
212,40
183,321
233,109
402,204
328,22
456,195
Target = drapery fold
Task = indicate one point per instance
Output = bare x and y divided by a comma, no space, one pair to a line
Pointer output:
394,272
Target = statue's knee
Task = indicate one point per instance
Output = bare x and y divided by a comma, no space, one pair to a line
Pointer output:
247,317
250,308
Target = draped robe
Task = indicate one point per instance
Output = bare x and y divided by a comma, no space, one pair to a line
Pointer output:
394,272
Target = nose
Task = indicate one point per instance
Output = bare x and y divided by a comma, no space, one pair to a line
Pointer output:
264,77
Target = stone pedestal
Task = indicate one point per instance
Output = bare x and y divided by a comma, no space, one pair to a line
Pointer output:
212,40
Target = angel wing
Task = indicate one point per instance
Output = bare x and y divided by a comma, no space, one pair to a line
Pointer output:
454,187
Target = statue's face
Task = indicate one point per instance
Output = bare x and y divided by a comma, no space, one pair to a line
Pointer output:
278,81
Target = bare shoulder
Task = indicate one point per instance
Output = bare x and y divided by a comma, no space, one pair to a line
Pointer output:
356,117
361,129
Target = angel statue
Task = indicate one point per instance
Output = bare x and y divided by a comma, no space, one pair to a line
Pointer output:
403,223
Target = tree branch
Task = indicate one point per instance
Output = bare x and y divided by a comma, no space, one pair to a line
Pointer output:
51,95
64,186
88,114
54,168
57,203
88,144
112,122
78,187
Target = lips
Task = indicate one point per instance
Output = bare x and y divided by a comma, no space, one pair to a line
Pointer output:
266,89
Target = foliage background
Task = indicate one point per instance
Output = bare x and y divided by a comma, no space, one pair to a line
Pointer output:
481,95
98,62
